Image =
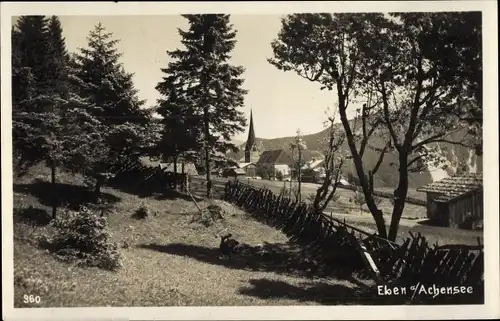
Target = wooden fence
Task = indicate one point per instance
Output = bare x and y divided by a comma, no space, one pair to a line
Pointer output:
334,242
133,172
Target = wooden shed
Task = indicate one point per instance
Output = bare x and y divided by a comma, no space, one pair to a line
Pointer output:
456,200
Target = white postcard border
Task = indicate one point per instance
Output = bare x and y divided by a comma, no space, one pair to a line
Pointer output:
491,232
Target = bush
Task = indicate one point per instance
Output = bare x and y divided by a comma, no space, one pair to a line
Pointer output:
141,213
82,237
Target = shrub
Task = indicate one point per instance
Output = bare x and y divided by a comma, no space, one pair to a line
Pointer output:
141,213
82,237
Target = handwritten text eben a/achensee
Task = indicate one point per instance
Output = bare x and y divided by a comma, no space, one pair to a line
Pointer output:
421,289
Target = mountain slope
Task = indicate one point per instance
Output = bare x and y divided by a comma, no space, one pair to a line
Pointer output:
456,156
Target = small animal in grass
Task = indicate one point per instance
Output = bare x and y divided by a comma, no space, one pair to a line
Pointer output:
228,245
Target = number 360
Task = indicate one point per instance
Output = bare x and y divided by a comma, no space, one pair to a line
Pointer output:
31,298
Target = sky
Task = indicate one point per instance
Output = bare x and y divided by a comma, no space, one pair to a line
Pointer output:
282,102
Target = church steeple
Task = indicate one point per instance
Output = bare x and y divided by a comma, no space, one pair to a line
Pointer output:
251,134
251,152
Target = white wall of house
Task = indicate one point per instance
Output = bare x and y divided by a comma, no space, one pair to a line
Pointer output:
284,169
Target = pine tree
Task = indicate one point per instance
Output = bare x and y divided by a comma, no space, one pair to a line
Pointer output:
30,40
211,83
180,124
126,127
101,76
50,122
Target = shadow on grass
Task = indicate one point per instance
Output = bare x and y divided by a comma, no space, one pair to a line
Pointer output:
144,189
32,215
338,294
320,292
173,194
430,222
282,258
68,195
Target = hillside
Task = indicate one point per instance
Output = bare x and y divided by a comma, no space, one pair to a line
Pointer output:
385,177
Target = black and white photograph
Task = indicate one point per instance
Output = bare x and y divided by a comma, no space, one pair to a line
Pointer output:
342,155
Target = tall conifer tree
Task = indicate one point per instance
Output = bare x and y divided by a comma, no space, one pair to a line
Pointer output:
212,87
101,77
44,108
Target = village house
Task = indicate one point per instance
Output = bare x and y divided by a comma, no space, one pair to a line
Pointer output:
279,160
313,170
455,201
249,168
254,158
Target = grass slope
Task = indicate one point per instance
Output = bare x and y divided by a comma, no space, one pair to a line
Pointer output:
168,261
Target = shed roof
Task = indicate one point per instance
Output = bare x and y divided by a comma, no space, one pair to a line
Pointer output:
453,187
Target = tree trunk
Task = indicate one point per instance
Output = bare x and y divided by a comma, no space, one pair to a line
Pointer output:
207,153
299,176
54,191
358,163
399,195
97,190
323,196
175,172
370,181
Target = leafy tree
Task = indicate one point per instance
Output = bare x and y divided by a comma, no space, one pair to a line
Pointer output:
420,70
211,83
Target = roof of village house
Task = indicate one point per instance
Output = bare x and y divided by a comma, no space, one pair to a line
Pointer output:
453,187
311,155
243,165
271,156
313,164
